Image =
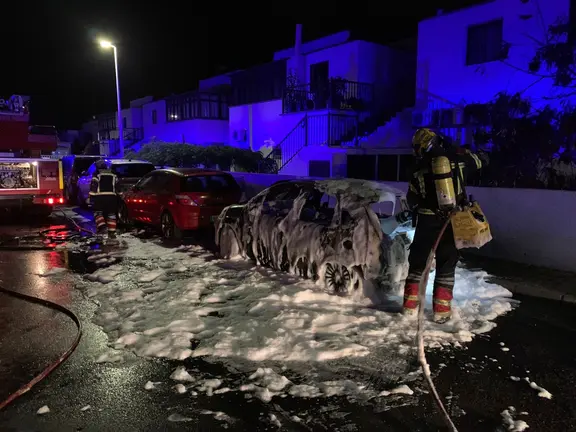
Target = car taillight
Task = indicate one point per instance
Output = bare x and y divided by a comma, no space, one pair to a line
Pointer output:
52,201
185,200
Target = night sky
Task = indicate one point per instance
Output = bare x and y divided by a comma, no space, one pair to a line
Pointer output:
50,53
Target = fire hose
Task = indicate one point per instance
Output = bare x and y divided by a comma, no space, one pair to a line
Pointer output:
58,233
420,331
60,359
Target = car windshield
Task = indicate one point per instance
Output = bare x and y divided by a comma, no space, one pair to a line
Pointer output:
81,165
132,169
208,183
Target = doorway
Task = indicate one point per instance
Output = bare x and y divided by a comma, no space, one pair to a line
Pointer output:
319,84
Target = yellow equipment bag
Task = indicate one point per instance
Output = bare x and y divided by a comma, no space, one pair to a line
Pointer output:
471,228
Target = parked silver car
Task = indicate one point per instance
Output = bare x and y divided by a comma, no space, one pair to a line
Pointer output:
327,230
129,172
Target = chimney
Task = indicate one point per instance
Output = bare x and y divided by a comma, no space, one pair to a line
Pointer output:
298,60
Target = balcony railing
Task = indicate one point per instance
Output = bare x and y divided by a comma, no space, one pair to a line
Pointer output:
335,94
130,134
197,105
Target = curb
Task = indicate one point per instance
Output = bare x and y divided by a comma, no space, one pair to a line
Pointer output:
535,291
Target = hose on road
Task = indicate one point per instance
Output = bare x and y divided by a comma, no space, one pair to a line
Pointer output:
54,234
78,227
420,331
60,359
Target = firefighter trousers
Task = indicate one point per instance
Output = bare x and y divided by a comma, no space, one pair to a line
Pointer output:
105,209
427,230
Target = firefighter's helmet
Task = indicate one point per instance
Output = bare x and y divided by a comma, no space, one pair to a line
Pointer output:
423,140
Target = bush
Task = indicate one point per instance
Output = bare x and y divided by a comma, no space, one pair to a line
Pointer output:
219,156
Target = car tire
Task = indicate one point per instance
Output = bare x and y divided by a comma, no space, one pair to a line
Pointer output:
337,279
169,229
80,200
228,245
122,217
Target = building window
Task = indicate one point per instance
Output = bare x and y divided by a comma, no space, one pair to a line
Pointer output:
485,43
197,105
154,117
319,168
124,123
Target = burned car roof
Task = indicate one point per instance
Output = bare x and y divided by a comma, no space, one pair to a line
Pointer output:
361,191
356,192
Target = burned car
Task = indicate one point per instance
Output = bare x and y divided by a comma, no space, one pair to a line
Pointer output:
327,230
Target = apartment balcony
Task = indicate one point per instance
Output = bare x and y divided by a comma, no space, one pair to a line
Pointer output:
197,105
335,94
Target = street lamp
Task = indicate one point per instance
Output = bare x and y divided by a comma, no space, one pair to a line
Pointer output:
107,45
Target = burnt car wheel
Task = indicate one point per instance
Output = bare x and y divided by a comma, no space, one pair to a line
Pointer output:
262,254
80,200
337,278
228,244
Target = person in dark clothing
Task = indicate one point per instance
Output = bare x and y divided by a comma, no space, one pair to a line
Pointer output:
104,199
430,217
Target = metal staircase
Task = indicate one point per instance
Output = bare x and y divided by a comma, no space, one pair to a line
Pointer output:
346,128
132,136
330,129
287,149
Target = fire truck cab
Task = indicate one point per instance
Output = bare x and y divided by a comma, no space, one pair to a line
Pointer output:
29,178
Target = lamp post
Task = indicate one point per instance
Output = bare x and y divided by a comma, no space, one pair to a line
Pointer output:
107,44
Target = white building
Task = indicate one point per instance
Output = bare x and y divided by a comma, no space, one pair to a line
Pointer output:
471,55
311,107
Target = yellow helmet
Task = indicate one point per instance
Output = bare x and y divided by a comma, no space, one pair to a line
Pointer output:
423,140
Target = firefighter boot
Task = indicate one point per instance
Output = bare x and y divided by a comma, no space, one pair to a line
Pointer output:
100,223
442,304
410,306
111,225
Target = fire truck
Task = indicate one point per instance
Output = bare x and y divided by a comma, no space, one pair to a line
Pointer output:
29,178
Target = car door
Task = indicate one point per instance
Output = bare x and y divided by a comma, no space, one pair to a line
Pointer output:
135,199
156,195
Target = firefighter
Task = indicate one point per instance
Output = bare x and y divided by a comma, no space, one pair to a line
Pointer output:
104,199
436,187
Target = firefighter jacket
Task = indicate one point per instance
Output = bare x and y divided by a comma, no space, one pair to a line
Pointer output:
422,190
105,182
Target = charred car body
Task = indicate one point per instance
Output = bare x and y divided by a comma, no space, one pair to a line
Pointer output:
327,230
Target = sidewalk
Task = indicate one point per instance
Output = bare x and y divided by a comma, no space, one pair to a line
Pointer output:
527,280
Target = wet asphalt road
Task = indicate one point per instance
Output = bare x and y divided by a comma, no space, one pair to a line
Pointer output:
540,336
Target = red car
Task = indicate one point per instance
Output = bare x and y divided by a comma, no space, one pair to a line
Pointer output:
179,199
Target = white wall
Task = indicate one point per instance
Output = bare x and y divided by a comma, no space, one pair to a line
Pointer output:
442,43
198,131
263,122
531,226
393,70
343,61
299,166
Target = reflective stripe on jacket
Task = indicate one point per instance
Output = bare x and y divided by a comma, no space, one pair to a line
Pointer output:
104,183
